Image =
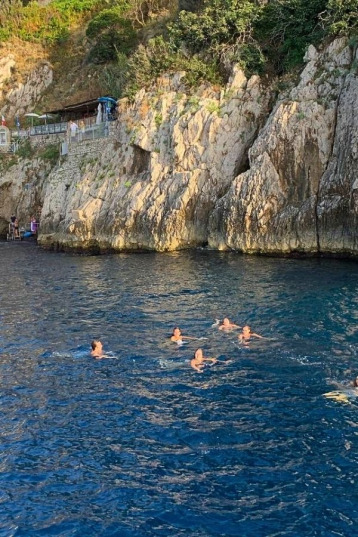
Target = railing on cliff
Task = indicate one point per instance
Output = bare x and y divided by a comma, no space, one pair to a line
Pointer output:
89,131
51,128
91,128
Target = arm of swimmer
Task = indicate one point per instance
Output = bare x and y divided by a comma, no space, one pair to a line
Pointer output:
214,360
257,335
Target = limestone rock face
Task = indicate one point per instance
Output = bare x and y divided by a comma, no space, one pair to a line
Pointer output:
337,207
23,97
231,169
300,193
7,64
21,190
155,182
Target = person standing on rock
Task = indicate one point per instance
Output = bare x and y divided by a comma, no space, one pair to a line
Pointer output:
12,224
16,228
73,129
82,128
33,225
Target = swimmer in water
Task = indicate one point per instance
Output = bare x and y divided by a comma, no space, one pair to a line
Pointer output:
97,349
355,383
198,362
227,325
246,335
178,337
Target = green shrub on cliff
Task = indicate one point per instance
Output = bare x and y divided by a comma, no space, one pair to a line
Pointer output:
50,22
25,150
286,28
38,22
260,35
111,34
51,153
341,16
223,32
148,62
137,40
221,22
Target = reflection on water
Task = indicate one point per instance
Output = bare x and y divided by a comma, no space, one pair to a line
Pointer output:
139,444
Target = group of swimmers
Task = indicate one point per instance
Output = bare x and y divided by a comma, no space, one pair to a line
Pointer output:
244,338
198,361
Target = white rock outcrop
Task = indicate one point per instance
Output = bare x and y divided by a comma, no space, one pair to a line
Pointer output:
7,64
23,96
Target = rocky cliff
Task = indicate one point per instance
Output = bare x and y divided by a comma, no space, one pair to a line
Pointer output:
238,168
22,95
300,193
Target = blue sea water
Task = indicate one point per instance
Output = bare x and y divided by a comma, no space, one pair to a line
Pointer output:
139,444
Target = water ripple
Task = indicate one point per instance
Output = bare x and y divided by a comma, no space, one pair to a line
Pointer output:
140,445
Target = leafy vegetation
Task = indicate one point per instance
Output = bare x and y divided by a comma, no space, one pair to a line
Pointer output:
149,61
221,22
51,153
137,40
286,29
25,150
111,34
48,23
262,36
342,16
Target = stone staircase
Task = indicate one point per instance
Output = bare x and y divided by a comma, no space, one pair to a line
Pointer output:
69,165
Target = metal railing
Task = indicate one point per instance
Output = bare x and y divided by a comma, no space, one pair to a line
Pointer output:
51,128
90,131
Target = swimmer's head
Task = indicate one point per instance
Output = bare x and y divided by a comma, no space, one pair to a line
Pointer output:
355,382
198,355
176,331
246,329
226,321
96,344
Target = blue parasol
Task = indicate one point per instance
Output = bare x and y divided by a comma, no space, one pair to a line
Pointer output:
107,100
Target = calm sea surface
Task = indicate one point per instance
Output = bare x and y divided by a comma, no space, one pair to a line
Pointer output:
139,444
